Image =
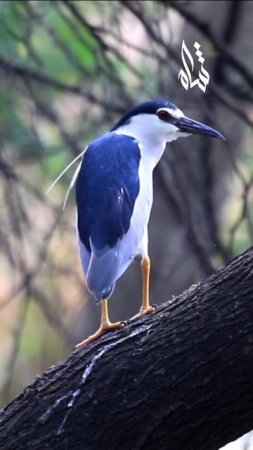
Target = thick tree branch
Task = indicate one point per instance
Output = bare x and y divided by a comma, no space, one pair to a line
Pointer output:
181,378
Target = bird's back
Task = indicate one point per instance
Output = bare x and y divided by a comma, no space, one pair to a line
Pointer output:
106,190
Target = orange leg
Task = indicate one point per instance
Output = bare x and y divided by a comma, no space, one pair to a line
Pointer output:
145,307
105,326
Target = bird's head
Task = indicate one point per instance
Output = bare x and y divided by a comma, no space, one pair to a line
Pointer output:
160,120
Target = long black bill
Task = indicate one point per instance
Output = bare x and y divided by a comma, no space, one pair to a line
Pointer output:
193,127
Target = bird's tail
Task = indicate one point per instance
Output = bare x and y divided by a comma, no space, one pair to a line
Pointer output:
100,276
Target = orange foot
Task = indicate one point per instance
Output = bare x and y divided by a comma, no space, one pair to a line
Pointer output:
143,311
103,329
146,310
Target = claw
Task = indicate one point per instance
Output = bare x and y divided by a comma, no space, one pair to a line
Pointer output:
103,329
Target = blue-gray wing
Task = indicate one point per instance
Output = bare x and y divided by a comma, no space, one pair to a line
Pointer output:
106,190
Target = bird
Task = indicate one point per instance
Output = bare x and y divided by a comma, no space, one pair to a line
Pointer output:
114,196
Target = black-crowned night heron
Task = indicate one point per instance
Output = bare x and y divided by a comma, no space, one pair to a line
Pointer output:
114,195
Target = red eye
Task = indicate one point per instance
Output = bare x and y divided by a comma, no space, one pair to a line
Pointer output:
163,115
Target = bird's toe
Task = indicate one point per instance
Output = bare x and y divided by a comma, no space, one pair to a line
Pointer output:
103,329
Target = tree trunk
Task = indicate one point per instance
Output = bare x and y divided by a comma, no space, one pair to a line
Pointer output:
181,378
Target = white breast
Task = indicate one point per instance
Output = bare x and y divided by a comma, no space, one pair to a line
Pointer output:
135,242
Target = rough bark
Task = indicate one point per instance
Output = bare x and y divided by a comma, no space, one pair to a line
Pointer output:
181,378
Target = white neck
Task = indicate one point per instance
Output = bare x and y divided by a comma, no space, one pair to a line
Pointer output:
152,144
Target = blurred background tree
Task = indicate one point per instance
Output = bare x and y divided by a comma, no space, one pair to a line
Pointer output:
68,70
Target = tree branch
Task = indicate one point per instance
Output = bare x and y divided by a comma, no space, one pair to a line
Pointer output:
179,378
26,73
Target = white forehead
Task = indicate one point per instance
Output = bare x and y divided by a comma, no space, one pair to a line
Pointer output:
175,113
